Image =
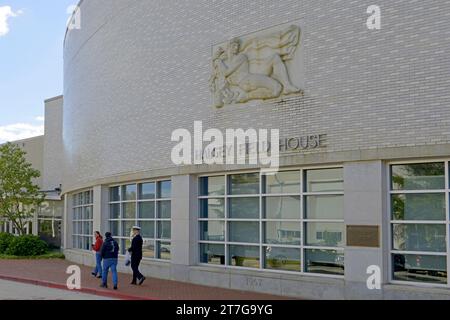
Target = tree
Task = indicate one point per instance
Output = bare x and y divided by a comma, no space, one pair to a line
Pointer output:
19,195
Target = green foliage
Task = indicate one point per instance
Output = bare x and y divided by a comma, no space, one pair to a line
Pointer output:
5,240
19,195
26,246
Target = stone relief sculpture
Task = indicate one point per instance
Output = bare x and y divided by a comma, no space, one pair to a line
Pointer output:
254,68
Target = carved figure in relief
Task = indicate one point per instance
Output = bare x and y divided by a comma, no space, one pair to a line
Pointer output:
254,68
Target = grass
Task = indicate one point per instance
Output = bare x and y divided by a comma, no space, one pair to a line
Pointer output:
47,256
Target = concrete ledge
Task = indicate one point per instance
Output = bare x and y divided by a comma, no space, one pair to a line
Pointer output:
409,292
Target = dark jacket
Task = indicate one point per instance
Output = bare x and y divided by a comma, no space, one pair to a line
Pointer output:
136,247
110,249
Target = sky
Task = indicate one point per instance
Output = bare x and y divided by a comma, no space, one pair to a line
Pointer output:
31,63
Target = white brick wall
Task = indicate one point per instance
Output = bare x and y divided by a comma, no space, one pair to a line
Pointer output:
139,69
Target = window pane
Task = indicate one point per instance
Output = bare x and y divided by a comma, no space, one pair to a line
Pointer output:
164,250
325,234
114,194
164,209
87,197
247,183
147,210
114,211
427,206
282,258
244,232
420,268
165,189
325,180
114,228
324,261
147,229
89,230
148,249
282,207
324,207
419,237
77,214
75,228
126,228
212,186
283,182
279,232
164,229
89,213
83,213
147,191
124,245
244,256
129,210
212,208
129,192
212,230
421,176
212,253
87,243
244,208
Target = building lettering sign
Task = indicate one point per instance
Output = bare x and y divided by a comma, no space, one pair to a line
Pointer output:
303,143
286,145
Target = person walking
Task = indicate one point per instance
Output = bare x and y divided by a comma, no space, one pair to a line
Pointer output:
136,255
110,255
96,247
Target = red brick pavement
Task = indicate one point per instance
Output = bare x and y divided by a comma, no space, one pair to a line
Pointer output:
51,273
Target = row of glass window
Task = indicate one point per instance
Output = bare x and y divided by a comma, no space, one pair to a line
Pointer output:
327,234
83,198
419,219
255,220
141,191
82,220
141,210
286,182
419,222
274,258
160,229
274,207
148,206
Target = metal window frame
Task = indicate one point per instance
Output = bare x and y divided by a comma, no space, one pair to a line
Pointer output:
156,240
391,222
262,195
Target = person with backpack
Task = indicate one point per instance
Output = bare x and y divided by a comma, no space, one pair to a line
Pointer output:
110,255
136,255
96,247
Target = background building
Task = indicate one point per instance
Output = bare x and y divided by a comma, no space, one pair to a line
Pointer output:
44,153
376,193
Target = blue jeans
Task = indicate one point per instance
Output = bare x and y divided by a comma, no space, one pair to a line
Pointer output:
98,264
110,263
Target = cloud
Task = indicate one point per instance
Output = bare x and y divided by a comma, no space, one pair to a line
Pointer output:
6,12
40,118
19,131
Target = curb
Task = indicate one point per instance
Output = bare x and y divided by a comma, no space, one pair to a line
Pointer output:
55,285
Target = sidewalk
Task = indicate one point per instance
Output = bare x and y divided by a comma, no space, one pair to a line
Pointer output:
51,273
